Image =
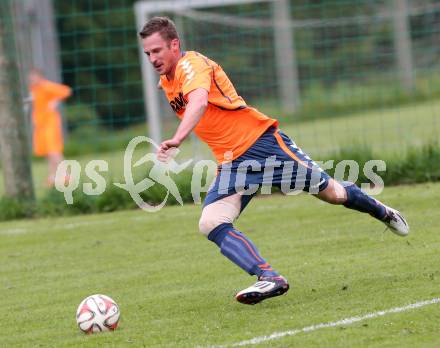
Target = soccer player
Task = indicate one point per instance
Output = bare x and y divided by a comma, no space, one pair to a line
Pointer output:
206,102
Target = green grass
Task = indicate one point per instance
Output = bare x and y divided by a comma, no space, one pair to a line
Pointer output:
389,130
342,98
176,290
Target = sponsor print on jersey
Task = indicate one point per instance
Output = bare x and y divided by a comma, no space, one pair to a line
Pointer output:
178,103
188,70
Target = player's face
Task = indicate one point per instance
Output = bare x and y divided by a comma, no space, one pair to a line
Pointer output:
34,77
163,55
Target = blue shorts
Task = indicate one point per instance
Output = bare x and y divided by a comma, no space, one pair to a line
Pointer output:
273,160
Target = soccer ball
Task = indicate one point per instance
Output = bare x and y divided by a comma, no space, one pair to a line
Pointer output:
97,313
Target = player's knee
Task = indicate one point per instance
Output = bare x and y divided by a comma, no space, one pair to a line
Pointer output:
334,193
340,193
209,221
216,214
207,224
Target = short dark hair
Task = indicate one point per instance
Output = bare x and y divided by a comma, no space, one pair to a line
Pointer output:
162,25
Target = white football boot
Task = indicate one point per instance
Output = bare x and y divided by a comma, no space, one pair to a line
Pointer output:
396,222
264,288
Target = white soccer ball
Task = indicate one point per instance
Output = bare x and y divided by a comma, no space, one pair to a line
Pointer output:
97,313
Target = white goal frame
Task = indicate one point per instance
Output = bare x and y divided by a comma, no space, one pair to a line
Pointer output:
283,43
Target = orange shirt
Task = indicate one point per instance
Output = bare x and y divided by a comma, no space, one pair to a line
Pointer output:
48,137
228,126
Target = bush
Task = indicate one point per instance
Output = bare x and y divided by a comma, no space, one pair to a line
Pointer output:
11,209
52,204
416,165
419,165
114,199
359,153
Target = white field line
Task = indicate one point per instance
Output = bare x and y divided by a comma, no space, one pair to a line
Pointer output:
32,228
347,321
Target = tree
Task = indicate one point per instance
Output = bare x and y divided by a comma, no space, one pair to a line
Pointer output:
14,137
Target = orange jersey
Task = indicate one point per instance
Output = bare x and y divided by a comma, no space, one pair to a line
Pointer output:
48,136
228,126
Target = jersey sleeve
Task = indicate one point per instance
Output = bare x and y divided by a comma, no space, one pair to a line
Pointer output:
195,73
57,90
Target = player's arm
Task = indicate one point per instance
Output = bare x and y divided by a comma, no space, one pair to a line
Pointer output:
57,90
196,107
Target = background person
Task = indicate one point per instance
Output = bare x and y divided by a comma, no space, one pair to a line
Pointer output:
47,124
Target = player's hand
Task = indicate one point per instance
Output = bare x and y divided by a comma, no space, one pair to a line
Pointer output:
167,150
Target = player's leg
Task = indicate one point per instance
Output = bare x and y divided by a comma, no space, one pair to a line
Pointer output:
216,223
53,159
55,146
353,197
329,190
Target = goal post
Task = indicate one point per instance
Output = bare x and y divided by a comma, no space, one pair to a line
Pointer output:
286,74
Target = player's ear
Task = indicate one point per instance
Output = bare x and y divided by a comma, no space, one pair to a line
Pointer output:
175,44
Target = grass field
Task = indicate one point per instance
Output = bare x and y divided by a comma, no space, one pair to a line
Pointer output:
175,289
384,130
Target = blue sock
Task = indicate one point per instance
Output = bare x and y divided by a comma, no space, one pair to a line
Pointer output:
360,201
240,250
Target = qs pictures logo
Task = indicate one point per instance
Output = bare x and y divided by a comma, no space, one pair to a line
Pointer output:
159,174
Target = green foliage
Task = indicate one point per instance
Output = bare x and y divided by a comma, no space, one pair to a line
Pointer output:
418,166
11,209
413,166
52,204
358,153
114,199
